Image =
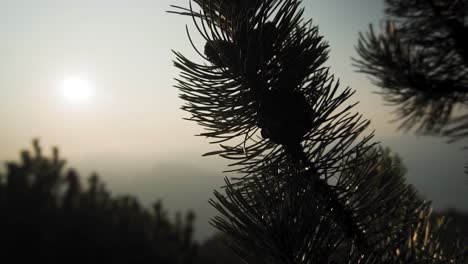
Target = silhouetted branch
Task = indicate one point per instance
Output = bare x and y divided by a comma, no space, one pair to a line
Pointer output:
420,61
311,184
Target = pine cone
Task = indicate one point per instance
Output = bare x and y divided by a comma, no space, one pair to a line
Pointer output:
284,117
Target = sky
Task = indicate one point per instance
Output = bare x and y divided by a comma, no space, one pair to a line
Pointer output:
130,128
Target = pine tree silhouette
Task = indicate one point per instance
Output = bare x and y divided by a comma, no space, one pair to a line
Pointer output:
420,60
312,187
48,216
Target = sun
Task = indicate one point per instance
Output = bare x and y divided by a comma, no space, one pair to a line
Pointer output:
76,89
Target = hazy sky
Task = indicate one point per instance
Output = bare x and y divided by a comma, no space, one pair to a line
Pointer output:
132,121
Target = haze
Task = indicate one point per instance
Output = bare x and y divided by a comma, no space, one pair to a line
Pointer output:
130,130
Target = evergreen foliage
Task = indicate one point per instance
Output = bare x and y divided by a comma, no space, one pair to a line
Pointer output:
420,60
313,188
48,216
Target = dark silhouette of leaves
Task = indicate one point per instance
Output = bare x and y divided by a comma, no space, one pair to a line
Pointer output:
49,216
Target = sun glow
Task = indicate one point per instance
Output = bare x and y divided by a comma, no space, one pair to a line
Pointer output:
76,89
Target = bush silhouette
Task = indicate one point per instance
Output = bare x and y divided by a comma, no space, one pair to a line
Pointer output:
48,215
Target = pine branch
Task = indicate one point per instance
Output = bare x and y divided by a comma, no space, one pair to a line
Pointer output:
311,183
420,60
